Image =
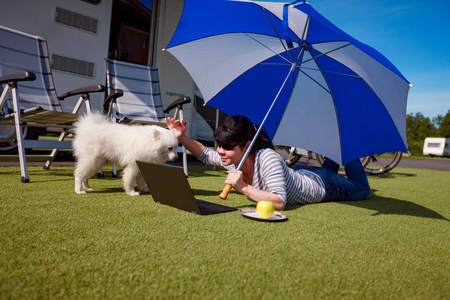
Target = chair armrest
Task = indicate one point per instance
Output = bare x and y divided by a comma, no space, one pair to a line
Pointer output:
114,95
19,76
177,103
84,90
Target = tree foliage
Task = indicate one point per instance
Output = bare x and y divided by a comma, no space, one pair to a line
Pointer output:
443,124
418,127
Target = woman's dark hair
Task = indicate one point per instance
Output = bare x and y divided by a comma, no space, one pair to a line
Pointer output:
238,130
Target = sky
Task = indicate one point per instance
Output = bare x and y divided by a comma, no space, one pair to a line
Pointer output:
414,35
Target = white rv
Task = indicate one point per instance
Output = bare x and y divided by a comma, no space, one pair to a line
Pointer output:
85,32
436,146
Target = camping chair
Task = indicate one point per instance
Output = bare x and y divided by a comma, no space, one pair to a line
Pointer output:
29,97
141,102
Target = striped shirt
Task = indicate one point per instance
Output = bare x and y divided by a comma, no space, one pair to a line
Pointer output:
271,174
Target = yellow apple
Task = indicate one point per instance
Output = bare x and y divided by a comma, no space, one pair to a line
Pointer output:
265,209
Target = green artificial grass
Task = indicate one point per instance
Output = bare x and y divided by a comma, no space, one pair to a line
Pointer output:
107,245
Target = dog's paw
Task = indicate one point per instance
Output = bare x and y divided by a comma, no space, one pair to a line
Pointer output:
81,192
132,193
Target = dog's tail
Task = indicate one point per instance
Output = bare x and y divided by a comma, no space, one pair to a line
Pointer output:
91,118
88,120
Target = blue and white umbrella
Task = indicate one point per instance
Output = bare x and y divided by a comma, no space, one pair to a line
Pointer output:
286,67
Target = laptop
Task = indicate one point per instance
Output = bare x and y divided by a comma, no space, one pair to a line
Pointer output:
168,185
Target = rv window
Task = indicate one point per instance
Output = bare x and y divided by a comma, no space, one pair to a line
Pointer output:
434,145
72,65
73,19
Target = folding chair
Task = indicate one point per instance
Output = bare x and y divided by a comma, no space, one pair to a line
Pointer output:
29,97
141,102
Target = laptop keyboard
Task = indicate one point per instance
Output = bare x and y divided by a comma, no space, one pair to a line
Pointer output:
209,207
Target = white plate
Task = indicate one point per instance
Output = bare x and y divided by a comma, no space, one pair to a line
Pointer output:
252,214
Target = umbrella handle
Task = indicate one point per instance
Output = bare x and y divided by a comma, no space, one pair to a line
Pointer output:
226,190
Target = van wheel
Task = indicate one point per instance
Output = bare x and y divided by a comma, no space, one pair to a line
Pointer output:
8,141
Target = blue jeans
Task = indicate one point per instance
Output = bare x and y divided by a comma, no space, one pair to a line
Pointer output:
339,188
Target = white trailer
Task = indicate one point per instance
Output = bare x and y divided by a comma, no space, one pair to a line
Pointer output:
82,33
436,146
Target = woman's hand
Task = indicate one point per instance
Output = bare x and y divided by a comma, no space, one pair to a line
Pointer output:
177,127
236,179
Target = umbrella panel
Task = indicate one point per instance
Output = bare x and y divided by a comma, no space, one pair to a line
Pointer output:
202,19
333,112
252,93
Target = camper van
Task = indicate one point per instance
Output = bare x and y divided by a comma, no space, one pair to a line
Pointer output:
85,32
436,146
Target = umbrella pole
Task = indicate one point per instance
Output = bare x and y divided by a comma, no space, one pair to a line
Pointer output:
226,190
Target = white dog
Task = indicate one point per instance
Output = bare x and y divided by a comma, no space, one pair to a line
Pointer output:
98,142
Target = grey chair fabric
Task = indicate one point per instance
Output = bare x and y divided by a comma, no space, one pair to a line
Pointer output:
141,101
20,51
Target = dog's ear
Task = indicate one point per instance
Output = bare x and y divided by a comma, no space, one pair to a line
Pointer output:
156,135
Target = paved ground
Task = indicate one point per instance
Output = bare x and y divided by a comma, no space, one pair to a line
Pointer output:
65,159
442,165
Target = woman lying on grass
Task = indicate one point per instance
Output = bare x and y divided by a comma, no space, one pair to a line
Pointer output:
265,176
